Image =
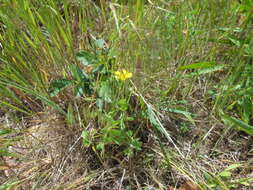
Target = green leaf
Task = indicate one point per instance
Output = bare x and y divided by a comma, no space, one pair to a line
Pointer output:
235,41
105,92
70,115
79,90
240,125
207,70
82,88
86,58
200,65
4,152
152,119
77,73
187,114
117,136
247,108
101,146
236,29
122,104
58,85
208,177
5,131
225,173
86,138
99,103
100,43
98,68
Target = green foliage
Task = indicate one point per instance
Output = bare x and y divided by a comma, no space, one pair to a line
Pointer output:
224,179
246,7
58,85
95,77
32,39
238,124
115,130
86,58
48,54
235,95
201,68
201,65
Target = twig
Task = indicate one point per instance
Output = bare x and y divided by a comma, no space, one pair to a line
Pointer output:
122,178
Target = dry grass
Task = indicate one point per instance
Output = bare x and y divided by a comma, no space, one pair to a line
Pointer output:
52,157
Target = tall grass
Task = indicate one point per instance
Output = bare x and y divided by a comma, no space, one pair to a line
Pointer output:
39,40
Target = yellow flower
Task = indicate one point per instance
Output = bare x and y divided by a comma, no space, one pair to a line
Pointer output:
123,75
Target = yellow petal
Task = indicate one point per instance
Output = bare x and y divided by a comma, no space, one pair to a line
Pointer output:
123,74
129,75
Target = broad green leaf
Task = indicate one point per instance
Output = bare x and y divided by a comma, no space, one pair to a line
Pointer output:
86,58
240,125
100,43
105,92
123,104
117,136
100,103
200,65
58,85
101,146
86,138
82,88
79,90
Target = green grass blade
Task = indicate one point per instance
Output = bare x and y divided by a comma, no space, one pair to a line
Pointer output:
200,65
39,95
240,125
